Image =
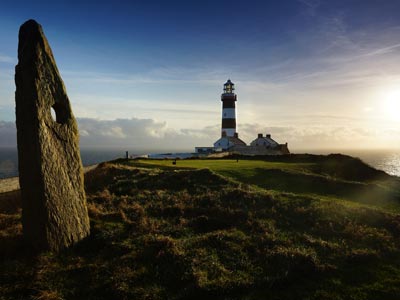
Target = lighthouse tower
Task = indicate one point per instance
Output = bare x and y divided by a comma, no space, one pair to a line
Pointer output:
228,99
229,137
230,141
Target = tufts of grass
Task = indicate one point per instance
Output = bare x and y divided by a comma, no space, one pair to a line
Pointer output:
168,233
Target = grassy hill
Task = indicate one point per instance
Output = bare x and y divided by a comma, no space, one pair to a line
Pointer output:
290,227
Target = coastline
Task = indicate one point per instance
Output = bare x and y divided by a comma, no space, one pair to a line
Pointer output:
11,184
387,160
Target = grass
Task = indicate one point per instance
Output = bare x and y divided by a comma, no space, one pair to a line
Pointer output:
220,229
334,176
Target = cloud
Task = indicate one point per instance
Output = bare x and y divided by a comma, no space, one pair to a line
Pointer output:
6,59
143,134
164,75
325,136
383,50
148,135
332,53
8,134
311,6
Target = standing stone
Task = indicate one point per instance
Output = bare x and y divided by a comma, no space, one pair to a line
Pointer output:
54,211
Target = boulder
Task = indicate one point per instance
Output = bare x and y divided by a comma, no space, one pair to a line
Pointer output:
54,211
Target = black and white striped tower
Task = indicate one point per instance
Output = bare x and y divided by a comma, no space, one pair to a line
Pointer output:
228,99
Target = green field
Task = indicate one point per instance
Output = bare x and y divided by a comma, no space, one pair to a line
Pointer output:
327,178
281,228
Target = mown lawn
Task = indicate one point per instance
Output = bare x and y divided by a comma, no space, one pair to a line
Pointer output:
225,165
328,178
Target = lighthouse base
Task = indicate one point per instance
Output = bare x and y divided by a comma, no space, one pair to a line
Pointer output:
262,145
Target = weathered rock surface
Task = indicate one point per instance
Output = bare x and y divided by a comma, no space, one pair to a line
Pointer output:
54,212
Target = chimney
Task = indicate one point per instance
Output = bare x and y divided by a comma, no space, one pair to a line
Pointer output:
260,135
236,135
268,136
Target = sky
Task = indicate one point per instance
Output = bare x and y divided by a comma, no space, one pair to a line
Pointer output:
317,74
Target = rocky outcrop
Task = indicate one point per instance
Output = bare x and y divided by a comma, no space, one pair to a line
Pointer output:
54,212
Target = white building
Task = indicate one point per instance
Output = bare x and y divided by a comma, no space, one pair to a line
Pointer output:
230,142
266,141
226,142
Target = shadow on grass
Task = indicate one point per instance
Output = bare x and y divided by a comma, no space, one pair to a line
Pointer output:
295,182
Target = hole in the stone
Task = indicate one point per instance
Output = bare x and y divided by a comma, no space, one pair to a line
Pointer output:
53,114
59,113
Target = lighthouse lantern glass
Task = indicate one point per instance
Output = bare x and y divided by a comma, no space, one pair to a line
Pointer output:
228,87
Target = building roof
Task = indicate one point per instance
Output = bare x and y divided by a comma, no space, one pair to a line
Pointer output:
227,142
236,141
264,141
229,82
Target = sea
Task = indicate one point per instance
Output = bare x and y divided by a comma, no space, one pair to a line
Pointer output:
89,156
382,159
386,160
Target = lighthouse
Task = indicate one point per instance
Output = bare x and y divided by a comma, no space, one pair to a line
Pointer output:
229,136
230,142
228,99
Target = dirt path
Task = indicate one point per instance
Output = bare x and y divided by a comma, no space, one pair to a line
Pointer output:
12,183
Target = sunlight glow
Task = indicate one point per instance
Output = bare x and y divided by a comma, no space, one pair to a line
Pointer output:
391,104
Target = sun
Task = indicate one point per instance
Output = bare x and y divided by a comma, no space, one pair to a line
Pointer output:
391,105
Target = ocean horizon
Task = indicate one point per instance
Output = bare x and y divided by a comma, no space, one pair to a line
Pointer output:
385,160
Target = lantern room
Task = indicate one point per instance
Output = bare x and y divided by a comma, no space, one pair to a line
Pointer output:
229,87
